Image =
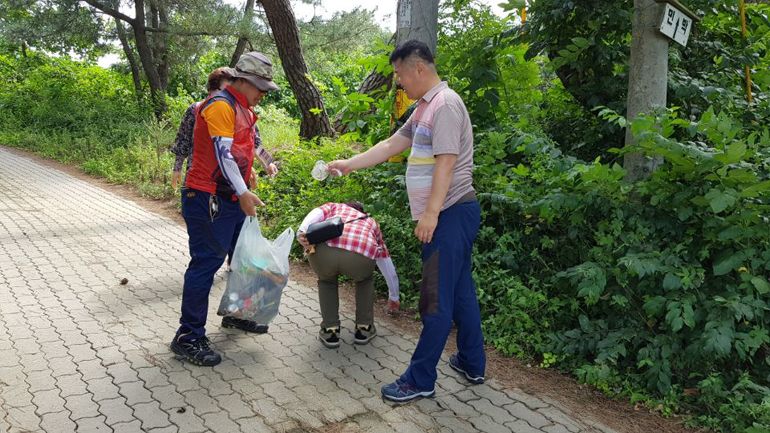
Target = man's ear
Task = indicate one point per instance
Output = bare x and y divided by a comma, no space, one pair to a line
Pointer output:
419,67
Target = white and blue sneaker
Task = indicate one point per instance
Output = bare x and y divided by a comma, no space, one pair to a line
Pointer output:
456,365
401,391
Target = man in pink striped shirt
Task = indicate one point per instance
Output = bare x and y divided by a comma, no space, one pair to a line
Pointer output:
439,183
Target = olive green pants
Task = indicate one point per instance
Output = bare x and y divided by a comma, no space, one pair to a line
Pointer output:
329,263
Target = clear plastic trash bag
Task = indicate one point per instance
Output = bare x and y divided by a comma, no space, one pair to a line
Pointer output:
260,271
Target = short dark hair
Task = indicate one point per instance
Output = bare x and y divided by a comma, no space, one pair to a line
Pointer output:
412,48
357,205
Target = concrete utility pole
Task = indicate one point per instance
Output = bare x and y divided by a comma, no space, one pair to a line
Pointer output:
417,19
648,78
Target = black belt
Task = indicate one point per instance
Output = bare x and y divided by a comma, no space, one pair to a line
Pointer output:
467,197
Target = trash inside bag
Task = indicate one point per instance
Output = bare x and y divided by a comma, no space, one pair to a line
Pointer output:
260,271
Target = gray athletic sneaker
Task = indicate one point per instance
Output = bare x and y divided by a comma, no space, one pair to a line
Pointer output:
364,334
329,337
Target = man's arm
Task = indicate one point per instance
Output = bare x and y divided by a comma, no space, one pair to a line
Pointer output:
383,150
380,152
442,178
220,118
446,147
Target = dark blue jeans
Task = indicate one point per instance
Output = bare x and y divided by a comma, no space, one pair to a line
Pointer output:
212,232
448,294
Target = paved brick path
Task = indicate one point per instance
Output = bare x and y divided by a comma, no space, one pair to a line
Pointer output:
80,352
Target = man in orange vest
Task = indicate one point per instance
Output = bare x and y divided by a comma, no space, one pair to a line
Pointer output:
216,198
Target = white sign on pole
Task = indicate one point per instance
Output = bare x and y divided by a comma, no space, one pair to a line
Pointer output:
405,14
676,25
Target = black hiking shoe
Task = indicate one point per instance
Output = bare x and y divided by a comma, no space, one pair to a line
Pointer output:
196,352
244,325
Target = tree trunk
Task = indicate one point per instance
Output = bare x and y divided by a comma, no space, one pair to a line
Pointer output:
157,18
131,57
240,47
286,34
162,45
417,19
648,78
243,37
157,91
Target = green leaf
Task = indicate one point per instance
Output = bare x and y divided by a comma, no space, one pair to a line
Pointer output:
685,213
520,170
672,282
734,153
731,233
756,189
718,339
676,323
688,315
727,262
642,264
673,317
761,285
654,306
512,5
581,43
720,200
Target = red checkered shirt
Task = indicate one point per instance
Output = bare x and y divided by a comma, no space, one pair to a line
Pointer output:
363,236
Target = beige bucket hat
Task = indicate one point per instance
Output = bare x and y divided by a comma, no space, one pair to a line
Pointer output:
257,69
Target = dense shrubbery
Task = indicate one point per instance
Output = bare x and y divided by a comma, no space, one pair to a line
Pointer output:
659,286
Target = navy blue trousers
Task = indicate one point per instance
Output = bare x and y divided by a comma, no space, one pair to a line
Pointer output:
448,294
212,231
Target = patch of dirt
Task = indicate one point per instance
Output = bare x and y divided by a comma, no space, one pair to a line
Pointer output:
582,400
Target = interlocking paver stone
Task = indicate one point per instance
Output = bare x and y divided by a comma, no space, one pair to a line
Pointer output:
134,426
521,427
533,418
102,389
57,422
81,352
82,406
93,425
23,418
151,415
135,392
201,401
48,402
169,429
116,410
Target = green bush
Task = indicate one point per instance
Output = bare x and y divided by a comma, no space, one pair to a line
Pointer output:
663,283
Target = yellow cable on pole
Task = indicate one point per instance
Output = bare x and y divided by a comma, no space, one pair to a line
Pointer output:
744,33
399,108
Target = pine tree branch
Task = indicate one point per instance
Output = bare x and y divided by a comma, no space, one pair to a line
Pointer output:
110,11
